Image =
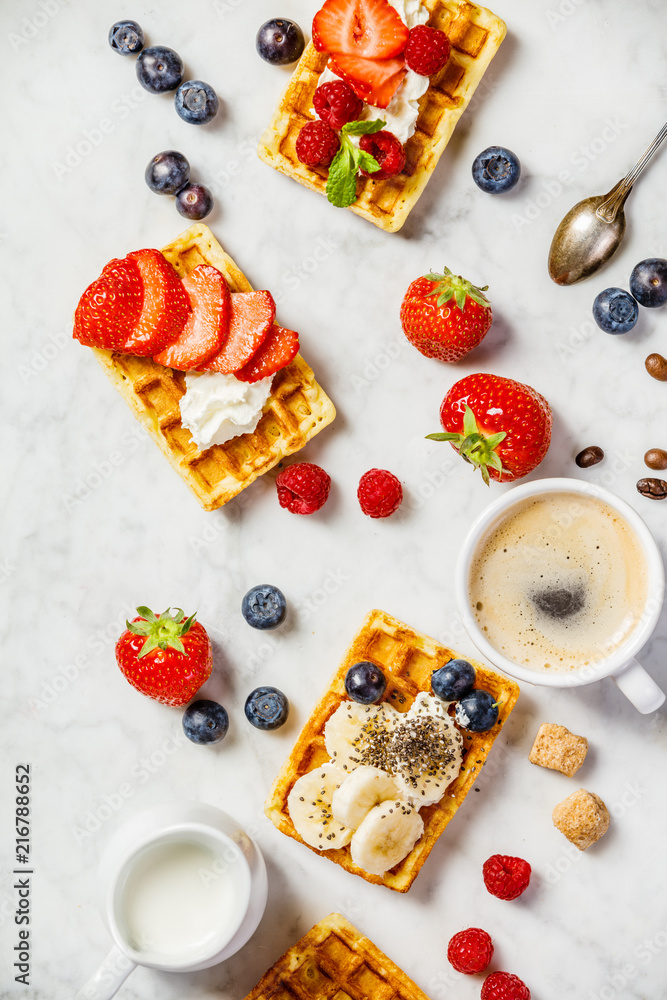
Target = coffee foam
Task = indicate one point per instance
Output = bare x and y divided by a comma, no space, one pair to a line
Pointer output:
559,583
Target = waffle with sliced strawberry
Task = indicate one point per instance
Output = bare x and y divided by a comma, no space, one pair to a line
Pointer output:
219,298
141,306
370,48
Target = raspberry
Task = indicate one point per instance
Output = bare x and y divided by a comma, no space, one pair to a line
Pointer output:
303,488
317,144
504,986
427,50
470,951
336,103
380,493
387,150
506,877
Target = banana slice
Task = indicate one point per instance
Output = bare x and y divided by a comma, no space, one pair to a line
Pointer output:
309,805
386,836
363,788
425,754
358,734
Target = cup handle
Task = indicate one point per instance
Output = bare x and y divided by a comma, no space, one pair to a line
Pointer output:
639,687
109,978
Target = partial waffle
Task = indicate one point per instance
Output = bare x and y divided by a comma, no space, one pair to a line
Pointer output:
334,961
407,659
475,35
296,410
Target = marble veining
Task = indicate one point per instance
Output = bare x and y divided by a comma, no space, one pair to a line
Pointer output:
95,521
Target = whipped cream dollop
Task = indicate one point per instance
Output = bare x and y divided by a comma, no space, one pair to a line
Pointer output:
403,109
217,408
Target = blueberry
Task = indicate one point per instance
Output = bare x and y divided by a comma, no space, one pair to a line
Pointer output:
615,310
496,169
266,708
159,69
454,680
477,711
648,282
280,41
205,722
126,37
194,201
365,682
167,172
196,102
264,606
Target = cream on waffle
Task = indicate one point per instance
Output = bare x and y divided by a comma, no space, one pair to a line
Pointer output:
334,961
407,659
475,35
296,410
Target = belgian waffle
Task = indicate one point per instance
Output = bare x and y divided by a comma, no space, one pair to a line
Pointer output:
296,410
475,35
334,961
407,659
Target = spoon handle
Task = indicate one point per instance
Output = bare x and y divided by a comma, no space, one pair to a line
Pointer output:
641,163
608,209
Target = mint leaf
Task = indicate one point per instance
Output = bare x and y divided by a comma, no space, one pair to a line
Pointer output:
348,161
367,162
342,180
363,128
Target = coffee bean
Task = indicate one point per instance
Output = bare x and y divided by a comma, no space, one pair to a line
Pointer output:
656,458
653,489
589,456
656,366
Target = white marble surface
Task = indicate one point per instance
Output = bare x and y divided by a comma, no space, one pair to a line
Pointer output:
96,522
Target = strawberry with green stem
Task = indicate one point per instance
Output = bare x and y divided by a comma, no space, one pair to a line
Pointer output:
499,426
445,316
167,658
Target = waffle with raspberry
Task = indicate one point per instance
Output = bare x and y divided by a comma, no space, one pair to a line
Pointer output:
475,35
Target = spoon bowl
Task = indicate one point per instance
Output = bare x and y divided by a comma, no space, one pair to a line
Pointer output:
593,229
584,241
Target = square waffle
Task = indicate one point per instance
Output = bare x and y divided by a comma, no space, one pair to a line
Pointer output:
475,35
407,659
334,961
296,410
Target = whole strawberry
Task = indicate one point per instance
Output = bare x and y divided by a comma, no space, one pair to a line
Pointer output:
445,316
303,487
500,426
506,877
470,951
167,658
504,986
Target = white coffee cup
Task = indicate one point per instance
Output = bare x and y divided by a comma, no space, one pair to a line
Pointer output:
620,664
189,831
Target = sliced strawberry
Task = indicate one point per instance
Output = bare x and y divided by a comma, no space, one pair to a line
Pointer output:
165,307
207,325
280,347
374,81
371,29
109,309
252,317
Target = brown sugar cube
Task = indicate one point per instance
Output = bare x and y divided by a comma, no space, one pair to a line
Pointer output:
582,817
556,747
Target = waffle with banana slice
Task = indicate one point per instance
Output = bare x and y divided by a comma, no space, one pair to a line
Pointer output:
475,34
334,961
296,410
407,658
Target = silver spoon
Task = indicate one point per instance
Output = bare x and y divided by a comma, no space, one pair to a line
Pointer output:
591,232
